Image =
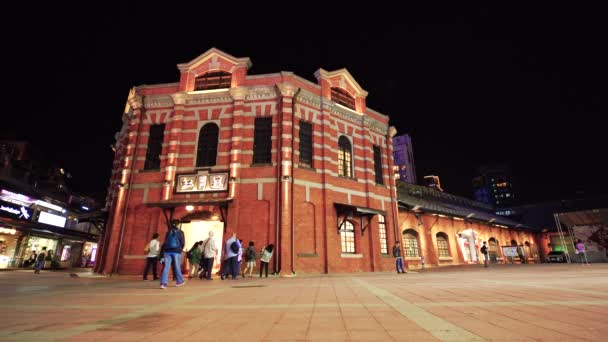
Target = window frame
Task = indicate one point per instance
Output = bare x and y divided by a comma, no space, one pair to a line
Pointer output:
202,82
379,177
443,248
262,140
206,156
306,145
343,97
154,149
410,237
382,234
347,238
345,157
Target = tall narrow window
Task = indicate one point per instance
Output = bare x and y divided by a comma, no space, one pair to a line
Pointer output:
347,237
155,147
213,80
378,165
344,157
206,154
493,249
342,97
442,245
410,243
262,141
382,231
305,143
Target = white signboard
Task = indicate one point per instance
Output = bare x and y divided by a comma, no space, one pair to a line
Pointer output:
54,220
510,251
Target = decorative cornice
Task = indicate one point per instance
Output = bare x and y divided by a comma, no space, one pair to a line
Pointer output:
261,93
158,101
214,52
179,98
375,125
194,99
287,89
309,98
239,93
321,73
347,114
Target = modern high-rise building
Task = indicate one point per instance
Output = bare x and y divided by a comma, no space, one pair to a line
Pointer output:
403,154
493,185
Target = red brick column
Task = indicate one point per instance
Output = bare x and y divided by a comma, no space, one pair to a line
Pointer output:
285,161
117,216
238,94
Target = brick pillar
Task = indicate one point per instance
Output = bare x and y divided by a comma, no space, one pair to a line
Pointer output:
285,161
368,165
117,217
173,128
238,95
329,212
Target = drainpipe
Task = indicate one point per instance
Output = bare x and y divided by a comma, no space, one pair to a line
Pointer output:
124,215
278,246
293,129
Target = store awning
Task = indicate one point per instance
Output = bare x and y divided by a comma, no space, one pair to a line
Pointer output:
47,230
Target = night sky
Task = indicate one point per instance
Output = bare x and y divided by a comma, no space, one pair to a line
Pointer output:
519,85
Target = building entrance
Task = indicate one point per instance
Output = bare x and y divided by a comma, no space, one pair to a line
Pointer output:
466,240
199,231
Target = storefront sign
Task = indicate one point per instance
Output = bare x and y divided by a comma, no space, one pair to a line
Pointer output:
201,182
15,198
12,210
509,251
52,219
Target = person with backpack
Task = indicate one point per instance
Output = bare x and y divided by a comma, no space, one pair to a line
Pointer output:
398,258
40,261
194,258
232,252
172,253
484,251
265,256
250,258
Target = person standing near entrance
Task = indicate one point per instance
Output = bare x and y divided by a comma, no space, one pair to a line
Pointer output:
265,256
172,253
209,253
484,251
194,258
398,258
582,254
153,248
40,261
232,249
250,258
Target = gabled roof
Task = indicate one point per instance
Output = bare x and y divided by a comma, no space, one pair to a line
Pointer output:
425,199
321,73
213,52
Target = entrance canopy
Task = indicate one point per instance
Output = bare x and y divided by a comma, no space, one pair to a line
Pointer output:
48,230
584,217
170,205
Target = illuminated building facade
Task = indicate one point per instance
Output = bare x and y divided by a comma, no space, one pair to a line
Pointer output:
275,158
403,152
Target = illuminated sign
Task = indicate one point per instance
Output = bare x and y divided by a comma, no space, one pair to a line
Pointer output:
201,182
13,210
52,219
18,199
49,205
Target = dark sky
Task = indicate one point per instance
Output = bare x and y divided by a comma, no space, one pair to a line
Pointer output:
521,85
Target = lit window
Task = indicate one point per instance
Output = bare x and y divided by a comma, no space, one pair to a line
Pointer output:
344,157
442,245
382,231
347,237
410,243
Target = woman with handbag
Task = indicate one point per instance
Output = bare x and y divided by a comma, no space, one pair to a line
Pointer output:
152,249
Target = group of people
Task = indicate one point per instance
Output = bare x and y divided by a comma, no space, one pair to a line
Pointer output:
202,256
37,260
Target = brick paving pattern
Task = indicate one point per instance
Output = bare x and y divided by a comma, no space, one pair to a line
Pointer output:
470,303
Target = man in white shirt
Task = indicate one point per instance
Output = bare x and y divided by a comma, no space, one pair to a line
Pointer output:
153,249
209,252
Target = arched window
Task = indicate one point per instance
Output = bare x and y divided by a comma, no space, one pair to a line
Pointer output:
410,243
206,152
347,237
342,97
443,247
344,157
213,80
493,249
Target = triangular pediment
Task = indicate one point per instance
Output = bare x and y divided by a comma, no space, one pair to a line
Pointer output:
340,78
214,55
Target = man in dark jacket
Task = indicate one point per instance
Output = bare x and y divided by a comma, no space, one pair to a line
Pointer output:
172,254
398,259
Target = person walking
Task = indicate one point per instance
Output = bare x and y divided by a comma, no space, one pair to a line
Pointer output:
486,256
152,248
172,253
40,261
194,258
582,253
265,256
250,258
209,253
398,258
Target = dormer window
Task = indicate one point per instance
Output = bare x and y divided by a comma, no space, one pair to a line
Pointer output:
342,97
213,80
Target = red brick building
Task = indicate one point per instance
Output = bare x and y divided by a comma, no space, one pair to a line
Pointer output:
449,230
274,157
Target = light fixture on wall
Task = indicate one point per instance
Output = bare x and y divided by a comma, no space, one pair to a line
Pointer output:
189,207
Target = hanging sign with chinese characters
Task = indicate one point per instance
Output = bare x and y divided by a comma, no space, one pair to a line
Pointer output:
202,181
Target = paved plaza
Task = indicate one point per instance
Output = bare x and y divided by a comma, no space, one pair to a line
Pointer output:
467,303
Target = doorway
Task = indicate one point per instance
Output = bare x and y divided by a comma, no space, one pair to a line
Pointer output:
199,231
